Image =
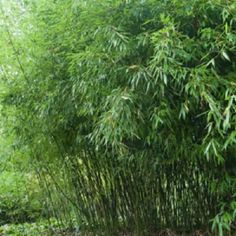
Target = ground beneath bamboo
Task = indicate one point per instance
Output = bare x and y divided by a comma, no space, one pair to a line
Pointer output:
42,228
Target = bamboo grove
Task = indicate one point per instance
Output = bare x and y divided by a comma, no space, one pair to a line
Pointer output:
127,109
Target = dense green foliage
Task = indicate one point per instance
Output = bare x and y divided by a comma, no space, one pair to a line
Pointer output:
126,108
39,228
19,199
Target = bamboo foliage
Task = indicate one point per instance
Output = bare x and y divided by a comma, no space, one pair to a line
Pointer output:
129,109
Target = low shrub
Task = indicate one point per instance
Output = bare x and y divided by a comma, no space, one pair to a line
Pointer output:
19,197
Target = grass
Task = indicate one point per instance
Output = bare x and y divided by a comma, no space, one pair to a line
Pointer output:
40,228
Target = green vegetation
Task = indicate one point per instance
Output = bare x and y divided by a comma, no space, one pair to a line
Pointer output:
19,201
39,228
118,117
